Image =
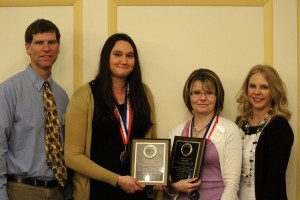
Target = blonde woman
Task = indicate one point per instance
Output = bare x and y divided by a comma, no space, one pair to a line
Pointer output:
267,135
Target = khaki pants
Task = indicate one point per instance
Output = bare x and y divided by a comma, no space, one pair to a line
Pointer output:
20,191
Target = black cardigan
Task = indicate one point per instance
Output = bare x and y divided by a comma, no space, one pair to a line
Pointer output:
271,160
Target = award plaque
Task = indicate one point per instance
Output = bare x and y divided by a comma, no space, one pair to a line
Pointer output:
186,158
150,161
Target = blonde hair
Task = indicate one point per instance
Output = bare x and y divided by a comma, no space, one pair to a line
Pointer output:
278,93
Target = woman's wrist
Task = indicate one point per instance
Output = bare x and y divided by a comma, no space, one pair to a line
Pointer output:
171,191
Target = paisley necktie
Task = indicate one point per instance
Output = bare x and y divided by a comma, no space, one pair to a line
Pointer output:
54,150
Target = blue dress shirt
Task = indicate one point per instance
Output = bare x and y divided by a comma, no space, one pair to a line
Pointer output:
22,126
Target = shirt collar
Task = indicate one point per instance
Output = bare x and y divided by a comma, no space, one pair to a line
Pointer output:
36,79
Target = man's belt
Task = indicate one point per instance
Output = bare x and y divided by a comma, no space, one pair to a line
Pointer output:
32,181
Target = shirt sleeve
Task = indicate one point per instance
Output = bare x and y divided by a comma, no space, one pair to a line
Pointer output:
6,119
232,163
77,128
276,147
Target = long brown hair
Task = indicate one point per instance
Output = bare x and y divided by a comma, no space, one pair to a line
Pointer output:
137,93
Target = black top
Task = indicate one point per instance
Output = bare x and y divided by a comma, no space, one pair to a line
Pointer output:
106,147
271,160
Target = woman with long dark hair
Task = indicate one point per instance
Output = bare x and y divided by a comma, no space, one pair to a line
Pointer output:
102,117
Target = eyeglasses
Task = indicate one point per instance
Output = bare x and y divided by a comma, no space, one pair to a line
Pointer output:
198,94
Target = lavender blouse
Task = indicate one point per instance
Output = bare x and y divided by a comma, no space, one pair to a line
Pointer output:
212,186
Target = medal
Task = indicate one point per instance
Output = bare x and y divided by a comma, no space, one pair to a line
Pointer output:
124,157
125,126
194,195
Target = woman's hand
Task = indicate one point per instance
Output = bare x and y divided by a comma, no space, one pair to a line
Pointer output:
129,184
186,185
160,188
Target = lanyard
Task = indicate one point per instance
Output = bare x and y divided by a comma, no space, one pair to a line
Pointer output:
188,129
125,119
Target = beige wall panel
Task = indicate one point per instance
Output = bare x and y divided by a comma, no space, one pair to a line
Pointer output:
285,61
13,59
95,33
173,41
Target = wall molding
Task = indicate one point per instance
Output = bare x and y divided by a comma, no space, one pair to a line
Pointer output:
298,100
266,4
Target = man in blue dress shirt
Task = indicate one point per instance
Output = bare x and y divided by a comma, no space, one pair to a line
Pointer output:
24,173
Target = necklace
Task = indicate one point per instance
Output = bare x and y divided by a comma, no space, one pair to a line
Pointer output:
197,132
246,125
246,175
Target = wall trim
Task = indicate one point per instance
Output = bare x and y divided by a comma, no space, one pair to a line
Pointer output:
298,100
268,32
267,4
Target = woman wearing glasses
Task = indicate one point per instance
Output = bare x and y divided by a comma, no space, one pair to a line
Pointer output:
203,95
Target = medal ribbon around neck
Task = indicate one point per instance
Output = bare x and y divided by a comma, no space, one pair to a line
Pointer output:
188,130
126,119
